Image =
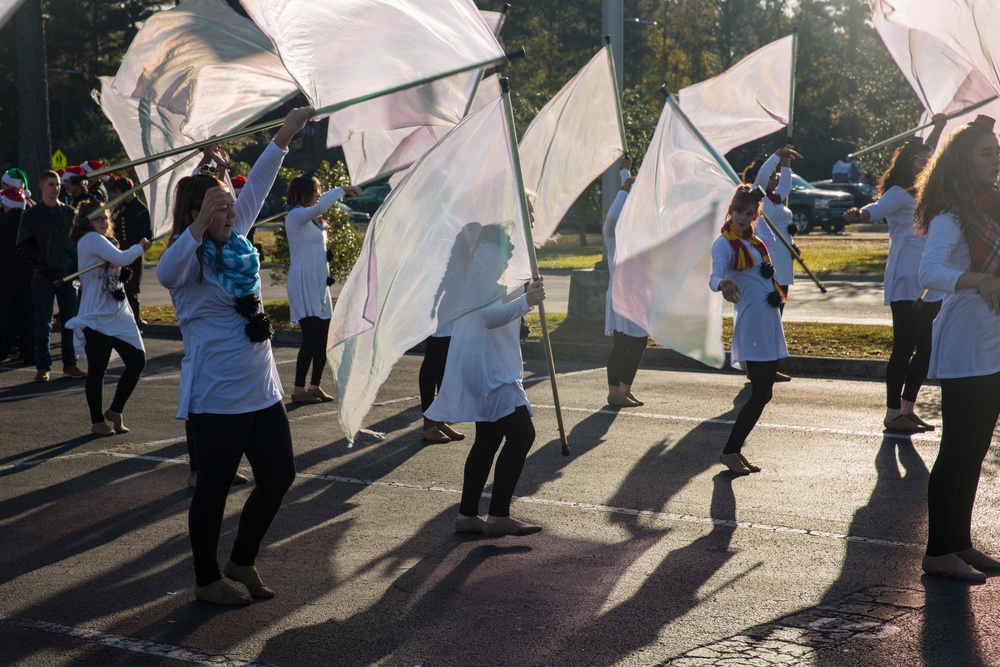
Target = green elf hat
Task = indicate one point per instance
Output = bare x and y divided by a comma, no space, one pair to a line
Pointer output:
14,178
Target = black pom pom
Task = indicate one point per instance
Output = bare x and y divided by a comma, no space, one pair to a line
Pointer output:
258,328
775,299
767,270
793,229
125,274
118,294
248,305
330,280
329,255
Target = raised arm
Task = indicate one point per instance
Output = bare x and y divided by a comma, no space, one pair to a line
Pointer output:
302,215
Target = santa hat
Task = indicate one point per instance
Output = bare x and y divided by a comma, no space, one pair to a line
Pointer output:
93,165
238,182
12,197
14,178
71,171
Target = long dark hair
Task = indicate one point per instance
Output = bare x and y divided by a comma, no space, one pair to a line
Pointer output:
81,221
901,172
948,180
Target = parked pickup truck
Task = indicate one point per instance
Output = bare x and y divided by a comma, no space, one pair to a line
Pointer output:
812,207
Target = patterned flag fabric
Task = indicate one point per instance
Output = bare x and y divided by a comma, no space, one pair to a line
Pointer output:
194,71
348,51
421,265
664,243
748,101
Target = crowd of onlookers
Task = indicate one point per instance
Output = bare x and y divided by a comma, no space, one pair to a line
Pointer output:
36,252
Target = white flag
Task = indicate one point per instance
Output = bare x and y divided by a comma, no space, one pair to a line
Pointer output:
944,81
194,71
7,10
376,145
663,261
348,51
748,101
419,268
574,138
969,29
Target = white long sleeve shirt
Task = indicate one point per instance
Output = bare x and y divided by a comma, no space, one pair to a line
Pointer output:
966,335
906,248
99,310
223,371
482,377
308,294
781,216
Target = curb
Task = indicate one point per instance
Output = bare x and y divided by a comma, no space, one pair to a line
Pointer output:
654,357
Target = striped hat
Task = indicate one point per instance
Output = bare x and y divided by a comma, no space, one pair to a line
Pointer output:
12,197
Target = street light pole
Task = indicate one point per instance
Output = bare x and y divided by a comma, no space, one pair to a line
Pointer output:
612,24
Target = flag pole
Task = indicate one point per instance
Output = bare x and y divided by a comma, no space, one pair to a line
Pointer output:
532,259
728,170
911,132
120,198
492,62
618,98
59,281
791,95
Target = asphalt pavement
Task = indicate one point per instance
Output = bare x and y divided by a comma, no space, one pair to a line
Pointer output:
651,554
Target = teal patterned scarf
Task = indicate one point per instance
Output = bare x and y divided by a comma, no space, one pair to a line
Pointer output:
239,268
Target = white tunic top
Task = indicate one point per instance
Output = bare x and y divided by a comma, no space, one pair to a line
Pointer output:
781,216
613,321
99,310
757,332
902,268
308,294
482,377
223,371
966,337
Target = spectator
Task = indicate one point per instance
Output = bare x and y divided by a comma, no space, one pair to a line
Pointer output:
43,239
131,224
16,326
95,188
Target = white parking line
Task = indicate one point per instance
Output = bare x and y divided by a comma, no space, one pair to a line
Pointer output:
134,644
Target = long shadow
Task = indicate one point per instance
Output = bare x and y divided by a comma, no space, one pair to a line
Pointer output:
897,511
950,636
43,453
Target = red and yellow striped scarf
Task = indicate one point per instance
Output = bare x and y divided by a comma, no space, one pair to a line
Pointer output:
742,259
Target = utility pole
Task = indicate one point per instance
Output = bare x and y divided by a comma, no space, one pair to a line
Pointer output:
34,140
612,23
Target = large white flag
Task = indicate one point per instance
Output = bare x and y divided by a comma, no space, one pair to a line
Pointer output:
944,81
420,264
7,10
575,137
748,101
664,237
348,51
969,28
376,145
194,71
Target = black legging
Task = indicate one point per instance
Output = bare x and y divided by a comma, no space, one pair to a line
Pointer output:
520,434
189,436
314,334
969,410
911,330
762,375
220,441
98,347
432,369
625,357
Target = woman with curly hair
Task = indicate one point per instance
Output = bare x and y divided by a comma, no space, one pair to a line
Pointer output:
958,207
104,320
743,272
229,387
911,325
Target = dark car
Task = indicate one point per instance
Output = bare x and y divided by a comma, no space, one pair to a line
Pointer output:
812,206
371,198
863,194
